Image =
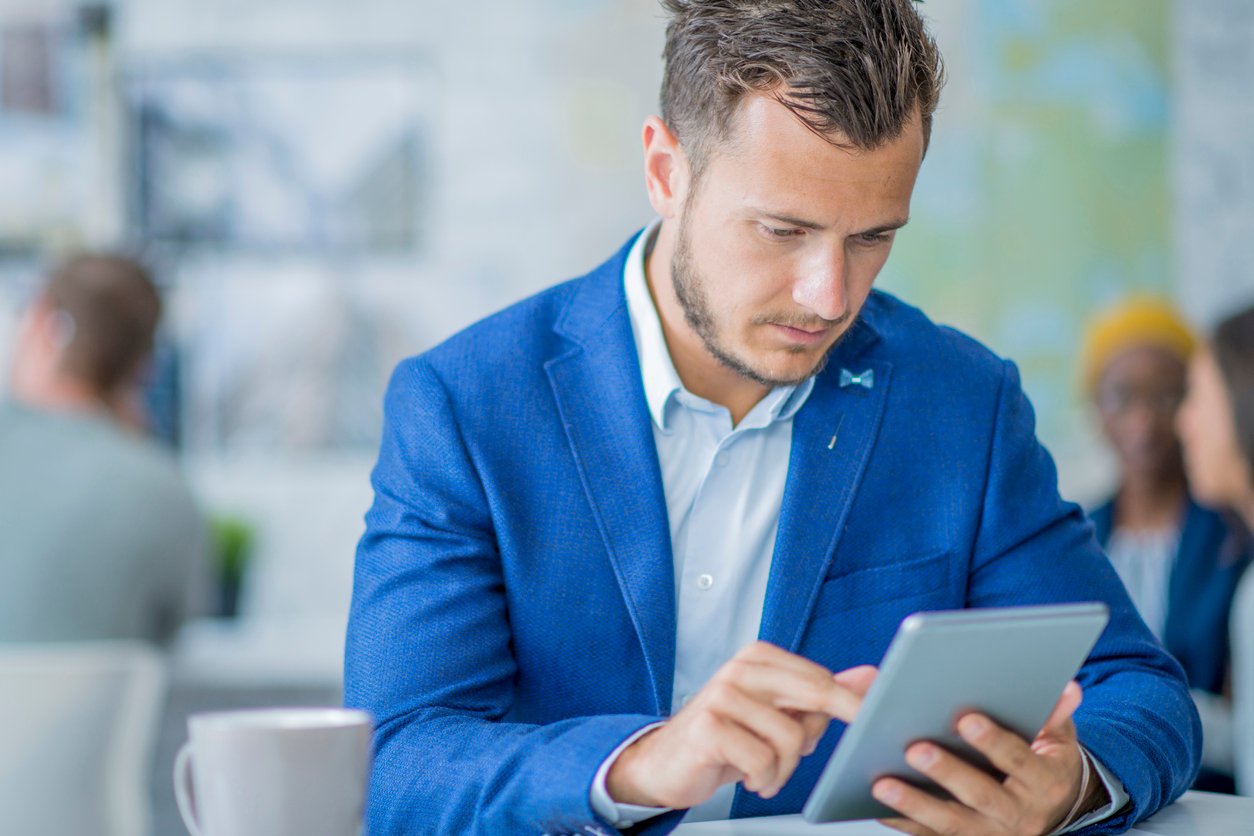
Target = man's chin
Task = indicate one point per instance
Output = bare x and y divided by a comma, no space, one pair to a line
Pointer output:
803,366
772,365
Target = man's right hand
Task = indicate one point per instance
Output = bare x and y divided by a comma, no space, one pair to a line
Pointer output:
753,722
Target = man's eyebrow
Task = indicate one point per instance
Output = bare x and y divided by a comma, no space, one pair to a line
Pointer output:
788,219
804,224
888,227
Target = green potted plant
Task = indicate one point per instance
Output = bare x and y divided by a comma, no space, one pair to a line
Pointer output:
233,544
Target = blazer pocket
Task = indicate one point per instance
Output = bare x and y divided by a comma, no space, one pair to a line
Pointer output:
913,577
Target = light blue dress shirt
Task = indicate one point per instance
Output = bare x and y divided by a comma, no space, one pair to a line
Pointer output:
724,487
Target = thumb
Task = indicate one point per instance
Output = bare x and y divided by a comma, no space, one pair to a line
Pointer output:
1059,724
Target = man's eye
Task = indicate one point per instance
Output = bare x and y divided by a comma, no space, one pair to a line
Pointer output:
780,233
872,238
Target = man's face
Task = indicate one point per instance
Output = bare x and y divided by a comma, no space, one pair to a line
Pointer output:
780,241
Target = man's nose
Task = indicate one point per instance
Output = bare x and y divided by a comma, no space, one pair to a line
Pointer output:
822,287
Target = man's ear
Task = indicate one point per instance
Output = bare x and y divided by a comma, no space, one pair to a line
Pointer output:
37,350
57,327
666,170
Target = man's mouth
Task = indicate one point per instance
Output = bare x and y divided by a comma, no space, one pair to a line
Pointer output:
804,336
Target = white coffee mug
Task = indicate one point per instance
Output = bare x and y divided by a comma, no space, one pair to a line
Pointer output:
274,772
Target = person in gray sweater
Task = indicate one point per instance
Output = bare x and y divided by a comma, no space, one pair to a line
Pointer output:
100,537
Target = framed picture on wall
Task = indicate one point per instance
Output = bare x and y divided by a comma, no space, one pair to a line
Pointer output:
321,154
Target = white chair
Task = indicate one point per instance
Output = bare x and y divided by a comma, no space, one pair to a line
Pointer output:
77,729
1241,628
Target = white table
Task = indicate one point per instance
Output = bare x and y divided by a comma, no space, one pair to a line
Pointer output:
1196,814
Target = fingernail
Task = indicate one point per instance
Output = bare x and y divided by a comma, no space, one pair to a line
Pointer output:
888,793
972,726
921,757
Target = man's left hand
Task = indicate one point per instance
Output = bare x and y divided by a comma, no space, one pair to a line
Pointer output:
1041,785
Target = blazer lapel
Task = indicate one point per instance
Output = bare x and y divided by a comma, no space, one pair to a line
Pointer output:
600,397
832,438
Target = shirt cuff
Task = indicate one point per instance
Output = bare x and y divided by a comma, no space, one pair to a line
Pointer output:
1114,791
620,815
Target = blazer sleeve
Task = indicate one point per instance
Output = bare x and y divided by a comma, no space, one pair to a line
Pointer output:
428,651
1137,717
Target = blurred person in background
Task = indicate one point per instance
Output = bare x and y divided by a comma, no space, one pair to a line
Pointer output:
1216,424
1179,561
99,535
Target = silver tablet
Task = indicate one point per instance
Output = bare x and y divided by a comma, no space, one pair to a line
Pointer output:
1010,663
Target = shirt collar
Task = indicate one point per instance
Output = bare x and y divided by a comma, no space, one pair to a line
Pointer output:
661,381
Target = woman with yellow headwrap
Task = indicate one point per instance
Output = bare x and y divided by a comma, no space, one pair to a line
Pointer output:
1179,561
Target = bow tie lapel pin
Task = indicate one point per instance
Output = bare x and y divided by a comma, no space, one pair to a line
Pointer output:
866,380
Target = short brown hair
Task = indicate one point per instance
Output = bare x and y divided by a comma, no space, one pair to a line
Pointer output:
857,67
114,308
1233,347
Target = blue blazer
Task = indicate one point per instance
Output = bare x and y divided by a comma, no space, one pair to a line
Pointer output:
1209,562
513,613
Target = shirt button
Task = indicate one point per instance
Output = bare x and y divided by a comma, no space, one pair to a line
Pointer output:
705,581
722,459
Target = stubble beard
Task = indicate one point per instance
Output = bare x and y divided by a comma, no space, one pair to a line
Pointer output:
690,291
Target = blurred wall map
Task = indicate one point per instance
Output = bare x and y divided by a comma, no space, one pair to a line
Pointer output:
1045,193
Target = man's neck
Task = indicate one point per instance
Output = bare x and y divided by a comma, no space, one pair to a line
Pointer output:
700,372
62,395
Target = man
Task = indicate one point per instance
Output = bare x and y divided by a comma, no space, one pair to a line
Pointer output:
1180,562
589,506
100,536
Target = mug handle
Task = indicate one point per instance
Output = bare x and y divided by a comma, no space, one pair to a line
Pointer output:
183,788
